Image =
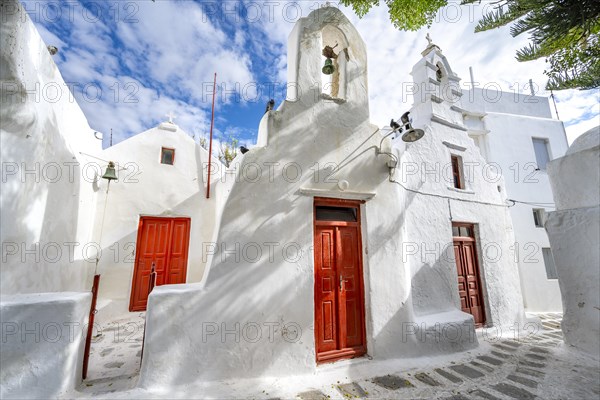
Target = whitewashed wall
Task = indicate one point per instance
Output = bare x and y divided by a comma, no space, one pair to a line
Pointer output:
574,230
43,338
47,204
511,121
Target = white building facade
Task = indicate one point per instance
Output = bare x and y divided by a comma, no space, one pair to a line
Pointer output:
517,135
156,213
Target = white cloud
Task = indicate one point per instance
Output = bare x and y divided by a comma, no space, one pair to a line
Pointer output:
392,54
132,69
579,109
184,55
166,54
577,129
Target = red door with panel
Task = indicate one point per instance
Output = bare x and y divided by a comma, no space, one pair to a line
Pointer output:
339,294
469,282
163,242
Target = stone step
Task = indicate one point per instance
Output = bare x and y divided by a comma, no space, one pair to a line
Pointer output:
523,381
313,395
538,350
466,371
500,355
535,357
490,360
351,390
530,372
531,364
425,378
505,348
484,367
513,391
483,394
452,378
392,382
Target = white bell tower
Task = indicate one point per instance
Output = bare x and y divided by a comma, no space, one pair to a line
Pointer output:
436,89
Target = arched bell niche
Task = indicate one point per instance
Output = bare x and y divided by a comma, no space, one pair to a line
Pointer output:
441,75
334,85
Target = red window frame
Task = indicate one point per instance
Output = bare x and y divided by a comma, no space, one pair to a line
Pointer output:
456,172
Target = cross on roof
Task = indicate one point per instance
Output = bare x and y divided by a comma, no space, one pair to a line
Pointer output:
430,46
171,116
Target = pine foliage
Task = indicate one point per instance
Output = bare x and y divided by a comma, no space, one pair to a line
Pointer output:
564,32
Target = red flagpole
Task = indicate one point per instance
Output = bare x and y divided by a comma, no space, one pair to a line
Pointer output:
212,122
88,338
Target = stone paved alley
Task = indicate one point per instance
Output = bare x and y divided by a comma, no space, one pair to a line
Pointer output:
534,365
115,355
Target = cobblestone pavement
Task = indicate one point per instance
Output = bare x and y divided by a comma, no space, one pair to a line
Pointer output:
532,364
115,355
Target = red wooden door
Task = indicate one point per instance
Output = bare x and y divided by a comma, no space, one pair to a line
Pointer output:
339,306
326,294
180,235
350,284
469,282
164,242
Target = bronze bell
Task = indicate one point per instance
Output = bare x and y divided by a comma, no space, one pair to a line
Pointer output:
110,173
328,68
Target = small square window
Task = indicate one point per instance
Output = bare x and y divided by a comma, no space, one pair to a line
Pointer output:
539,217
465,231
457,172
167,156
455,231
549,263
542,154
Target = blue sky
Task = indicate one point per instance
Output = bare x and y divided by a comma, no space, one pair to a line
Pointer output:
132,62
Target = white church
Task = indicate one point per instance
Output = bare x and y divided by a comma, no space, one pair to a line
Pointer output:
330,239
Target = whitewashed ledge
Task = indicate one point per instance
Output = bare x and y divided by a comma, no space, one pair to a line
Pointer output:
42,344
336,194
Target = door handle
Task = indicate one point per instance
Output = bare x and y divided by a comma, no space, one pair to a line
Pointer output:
341,282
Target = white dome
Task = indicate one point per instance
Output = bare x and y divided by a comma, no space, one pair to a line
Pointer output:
588,140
